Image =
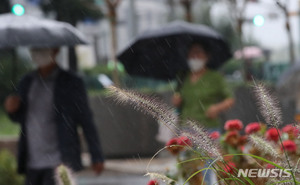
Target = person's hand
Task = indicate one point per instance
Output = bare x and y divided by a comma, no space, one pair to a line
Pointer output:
176,100
98,167
212,112
12,103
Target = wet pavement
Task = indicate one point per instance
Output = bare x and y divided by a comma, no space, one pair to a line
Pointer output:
125,172
113,178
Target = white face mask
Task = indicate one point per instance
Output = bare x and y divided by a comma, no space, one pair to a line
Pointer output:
41,57
196,64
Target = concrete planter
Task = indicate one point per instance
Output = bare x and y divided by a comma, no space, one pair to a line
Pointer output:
125,132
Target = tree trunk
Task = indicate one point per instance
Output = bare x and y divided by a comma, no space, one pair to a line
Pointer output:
112,6
133,20
187,4
291,43
245,71
113,25
96,49
288,29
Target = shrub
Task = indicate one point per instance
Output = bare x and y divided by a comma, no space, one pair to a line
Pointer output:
8,170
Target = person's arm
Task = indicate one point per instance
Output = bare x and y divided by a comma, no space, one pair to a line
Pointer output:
89,129
14,105
216,109
225,105
176,100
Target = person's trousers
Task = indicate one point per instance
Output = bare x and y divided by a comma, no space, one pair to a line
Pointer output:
40,177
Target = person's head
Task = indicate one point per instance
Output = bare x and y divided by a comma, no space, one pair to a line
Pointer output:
43,57
198,57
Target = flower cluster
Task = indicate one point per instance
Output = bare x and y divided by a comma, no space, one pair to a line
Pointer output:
176,145
153,182
235,149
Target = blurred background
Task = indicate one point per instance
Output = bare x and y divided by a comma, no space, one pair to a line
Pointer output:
263,36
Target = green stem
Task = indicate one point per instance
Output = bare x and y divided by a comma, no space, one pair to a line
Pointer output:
286,156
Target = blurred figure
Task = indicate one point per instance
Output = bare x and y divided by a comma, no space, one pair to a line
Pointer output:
203,95
50,104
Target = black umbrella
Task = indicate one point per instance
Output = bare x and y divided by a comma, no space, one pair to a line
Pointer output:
162,53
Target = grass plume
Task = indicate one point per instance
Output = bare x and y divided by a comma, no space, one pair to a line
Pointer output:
163,178
268,106
201,138
64,176
146,104
264,146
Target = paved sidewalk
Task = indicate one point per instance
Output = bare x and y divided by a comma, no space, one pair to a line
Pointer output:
111,178
125,172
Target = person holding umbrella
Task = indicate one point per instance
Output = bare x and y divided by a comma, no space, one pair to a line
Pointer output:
161,53
203,95
50,105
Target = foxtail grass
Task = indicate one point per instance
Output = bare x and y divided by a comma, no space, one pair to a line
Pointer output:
64,176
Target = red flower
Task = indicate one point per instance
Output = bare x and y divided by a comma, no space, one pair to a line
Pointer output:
229,167
252,128
173,141
243,140
153,182
289,146
235,124
184,141
272,134
242,148
232,138
214,135
232,134
173,149
291,130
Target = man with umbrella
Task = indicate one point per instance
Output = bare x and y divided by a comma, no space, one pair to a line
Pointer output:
50,104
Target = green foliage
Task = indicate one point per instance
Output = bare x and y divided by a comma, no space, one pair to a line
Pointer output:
7,127
8,167
98,69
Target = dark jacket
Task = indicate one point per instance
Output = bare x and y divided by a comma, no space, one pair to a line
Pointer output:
71,110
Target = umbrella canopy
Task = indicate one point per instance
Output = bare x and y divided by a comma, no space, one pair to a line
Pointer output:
162,53
36,32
